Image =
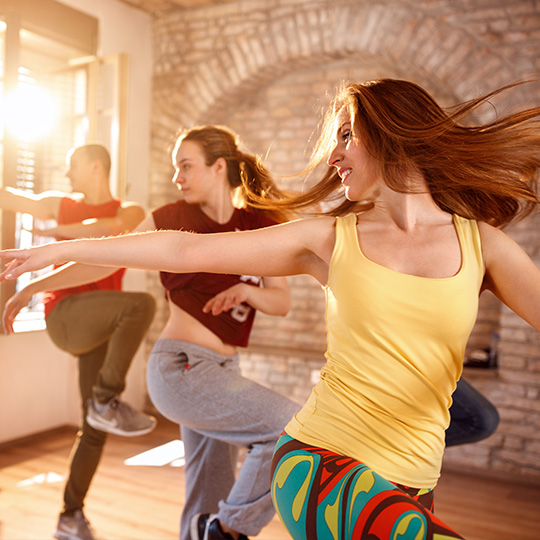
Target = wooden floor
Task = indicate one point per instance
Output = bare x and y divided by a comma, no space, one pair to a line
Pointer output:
142,502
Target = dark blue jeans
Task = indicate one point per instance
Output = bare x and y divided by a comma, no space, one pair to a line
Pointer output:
473,417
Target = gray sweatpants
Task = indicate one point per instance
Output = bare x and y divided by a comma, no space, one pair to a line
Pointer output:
219,411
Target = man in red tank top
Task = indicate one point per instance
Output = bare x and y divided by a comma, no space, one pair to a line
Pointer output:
98,322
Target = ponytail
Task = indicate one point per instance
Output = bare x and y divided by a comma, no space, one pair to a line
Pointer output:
254,186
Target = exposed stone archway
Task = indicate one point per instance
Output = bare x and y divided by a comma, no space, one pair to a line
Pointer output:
435,52
441,56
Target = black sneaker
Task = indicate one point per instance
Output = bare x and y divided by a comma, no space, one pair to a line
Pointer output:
207,527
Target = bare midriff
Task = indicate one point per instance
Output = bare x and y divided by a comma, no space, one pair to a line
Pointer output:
182,326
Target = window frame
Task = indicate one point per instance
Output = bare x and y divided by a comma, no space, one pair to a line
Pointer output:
61,24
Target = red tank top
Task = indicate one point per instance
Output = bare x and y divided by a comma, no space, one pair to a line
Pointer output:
191,291
75,211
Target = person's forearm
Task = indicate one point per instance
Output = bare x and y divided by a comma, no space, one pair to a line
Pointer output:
12,200
258,252
41,207
67,276
147,251
90,228
272,300
157,250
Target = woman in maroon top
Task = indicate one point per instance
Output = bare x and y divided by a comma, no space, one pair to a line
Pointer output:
193,374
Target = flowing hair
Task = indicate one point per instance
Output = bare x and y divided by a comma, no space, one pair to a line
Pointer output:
485,172
253,185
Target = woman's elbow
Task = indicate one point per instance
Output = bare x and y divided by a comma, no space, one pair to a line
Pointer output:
284,306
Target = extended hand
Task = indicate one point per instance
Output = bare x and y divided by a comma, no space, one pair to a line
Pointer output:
26,260
18,301
225,300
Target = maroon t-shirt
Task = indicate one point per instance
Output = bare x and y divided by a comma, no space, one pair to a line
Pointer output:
191,291
75,211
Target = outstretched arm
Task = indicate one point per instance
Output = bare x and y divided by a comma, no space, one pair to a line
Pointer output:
46,205
42,206
511,275
69,275
299,247
129,215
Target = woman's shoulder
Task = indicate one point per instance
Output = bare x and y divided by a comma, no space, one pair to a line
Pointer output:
307,230
318,223
169,215
491,236
169,206
315,233
497,245
488,231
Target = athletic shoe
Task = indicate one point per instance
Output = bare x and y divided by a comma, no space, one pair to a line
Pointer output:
207,527
119,418
75,527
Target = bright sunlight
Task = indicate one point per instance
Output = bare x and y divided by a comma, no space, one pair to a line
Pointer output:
28,113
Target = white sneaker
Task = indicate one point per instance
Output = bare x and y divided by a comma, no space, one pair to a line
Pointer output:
75,527
119,418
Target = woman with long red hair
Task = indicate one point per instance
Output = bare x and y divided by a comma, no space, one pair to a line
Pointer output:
412,239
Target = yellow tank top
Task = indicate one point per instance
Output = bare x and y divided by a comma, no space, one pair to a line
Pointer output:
395,348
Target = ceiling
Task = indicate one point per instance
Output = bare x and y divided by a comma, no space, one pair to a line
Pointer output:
156,6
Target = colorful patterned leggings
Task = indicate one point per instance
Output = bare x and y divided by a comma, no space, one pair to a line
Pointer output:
322,495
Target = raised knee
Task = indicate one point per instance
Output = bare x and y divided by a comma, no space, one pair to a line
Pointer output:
490,420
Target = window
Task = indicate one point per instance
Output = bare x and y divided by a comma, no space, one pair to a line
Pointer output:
54,94
41,142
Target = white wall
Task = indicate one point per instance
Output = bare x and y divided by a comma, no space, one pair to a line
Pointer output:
38,382
38,386
123,29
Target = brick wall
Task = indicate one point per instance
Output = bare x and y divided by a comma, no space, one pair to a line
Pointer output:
264,68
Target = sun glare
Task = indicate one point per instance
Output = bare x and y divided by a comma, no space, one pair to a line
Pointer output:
29,113
171,453
41,479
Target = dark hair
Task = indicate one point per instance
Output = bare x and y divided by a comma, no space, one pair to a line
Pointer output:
245,171
485,172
